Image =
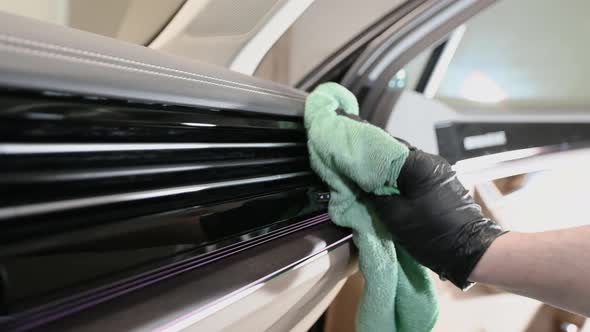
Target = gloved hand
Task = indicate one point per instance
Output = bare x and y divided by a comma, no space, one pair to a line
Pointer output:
435,219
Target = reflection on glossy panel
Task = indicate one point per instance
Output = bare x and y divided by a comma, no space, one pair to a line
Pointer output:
100,195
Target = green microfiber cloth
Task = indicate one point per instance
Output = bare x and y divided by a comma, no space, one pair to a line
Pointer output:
348,155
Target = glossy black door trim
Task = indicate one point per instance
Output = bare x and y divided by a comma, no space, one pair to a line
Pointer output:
340,245
78,203
232,277
78,259
37,118
53,311
206,227
90,174
101,152
134,183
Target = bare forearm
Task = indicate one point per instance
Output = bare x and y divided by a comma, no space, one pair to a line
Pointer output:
553,267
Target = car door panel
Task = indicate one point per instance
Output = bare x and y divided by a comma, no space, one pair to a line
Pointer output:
128,174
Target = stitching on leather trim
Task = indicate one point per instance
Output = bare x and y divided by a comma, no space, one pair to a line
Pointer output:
47,54
23,41
100,55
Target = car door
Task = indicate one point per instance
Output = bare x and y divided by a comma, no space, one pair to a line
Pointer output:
142,191
145,191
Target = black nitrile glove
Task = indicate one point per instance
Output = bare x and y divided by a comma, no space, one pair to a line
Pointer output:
435,219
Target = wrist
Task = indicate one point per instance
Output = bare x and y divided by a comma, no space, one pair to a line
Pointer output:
492,261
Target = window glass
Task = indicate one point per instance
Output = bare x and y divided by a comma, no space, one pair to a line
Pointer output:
522,54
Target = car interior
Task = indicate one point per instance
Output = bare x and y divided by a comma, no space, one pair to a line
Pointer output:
154,169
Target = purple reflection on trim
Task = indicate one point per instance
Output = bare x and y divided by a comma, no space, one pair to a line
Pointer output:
51,312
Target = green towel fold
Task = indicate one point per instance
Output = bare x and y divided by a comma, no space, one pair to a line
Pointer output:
347,155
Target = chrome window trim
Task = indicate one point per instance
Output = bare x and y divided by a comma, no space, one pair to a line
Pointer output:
50,148
48,207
